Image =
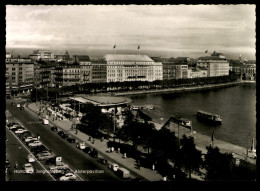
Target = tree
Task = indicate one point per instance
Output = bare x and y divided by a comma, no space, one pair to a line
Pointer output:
93,119
218,165
189,156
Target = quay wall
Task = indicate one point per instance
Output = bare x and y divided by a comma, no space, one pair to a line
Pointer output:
181,89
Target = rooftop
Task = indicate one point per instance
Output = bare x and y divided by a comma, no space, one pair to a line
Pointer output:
128,57
102,100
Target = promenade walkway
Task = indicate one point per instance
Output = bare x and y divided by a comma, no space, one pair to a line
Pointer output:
101,147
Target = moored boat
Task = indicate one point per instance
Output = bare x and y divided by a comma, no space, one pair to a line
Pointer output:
181,121
209,116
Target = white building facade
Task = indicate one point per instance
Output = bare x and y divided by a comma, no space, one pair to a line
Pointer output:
122,67
216,65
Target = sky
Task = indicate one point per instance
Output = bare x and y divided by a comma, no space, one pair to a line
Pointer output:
178,29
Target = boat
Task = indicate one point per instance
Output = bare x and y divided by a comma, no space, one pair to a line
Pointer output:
181,121
209,116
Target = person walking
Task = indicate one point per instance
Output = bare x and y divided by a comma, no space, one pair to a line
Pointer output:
16,165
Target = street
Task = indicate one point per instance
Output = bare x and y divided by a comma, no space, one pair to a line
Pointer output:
87,167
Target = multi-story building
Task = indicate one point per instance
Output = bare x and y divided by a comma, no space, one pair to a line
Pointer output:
42,55
248,71
216,64
67,75
19,76
197,73
169,70
122,67
85,68
181,71
99,71
43,75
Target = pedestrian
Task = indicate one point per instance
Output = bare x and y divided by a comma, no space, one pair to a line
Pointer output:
76,132
16,165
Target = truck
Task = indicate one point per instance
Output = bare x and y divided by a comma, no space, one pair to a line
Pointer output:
123,173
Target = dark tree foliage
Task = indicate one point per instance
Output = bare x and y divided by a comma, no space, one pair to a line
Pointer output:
218,165
188,156
93,119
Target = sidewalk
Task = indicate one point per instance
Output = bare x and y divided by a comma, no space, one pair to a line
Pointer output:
101,147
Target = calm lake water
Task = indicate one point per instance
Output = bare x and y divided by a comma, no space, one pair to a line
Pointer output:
236,105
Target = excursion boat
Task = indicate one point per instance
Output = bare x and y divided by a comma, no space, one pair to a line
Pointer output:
209,117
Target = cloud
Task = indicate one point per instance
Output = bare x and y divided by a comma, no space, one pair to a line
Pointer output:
160,27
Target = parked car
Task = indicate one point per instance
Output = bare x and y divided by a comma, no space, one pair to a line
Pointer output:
59,166
34,144
25,135
18,105
44,155
71,140
30,158
60,133
30,139
68,177
123,173
20,131
64,136
54,128
15,127
113,166
87,150
102,161
38,149
81,145
28,168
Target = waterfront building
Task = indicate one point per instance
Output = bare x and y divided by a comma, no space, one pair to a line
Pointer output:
42,55
216,64
85,68
181,71
67,75
123,67
99,71
169,70
19,76
197,73
248,71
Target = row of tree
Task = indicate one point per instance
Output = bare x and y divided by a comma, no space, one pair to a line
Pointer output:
53,93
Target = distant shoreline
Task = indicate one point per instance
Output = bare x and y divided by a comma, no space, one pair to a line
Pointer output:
181,89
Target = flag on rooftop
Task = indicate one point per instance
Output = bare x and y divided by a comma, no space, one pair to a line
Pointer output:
114,46
138,47
206,51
